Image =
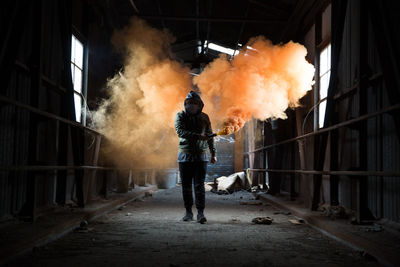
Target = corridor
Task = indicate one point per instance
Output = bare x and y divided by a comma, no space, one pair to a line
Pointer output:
149,232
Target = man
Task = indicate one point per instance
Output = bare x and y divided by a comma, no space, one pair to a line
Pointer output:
193,127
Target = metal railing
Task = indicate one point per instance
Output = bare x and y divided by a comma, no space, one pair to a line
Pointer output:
348,173
330,128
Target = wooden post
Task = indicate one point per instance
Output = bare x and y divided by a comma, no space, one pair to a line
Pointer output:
304,181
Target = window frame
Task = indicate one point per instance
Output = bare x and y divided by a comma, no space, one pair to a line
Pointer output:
73,64
320,45
324,45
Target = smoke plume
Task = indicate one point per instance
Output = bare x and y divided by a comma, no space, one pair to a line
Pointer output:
262,81
138,117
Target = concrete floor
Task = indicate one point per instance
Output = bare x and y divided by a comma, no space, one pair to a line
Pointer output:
150,233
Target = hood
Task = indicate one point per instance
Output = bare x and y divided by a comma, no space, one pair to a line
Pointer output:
195,96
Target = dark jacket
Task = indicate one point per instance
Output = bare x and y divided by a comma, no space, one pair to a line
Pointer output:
189,127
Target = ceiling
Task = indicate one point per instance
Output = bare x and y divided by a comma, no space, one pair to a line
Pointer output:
224,22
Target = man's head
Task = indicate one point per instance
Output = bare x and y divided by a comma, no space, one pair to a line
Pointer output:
193,103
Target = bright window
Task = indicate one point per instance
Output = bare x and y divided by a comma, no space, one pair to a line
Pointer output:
324,75
77,75
221,49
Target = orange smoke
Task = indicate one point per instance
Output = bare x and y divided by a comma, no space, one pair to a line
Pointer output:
138,117
260,82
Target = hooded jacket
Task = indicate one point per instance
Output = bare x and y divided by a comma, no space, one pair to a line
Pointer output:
190,127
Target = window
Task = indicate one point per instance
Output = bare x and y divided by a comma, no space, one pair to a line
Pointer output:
221,49
324,75
77,76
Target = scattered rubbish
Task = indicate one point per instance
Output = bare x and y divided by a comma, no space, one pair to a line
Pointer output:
256,203
255,189
128,214
229,184
334,212
262,220
139,200
296,221
83,227
375,228
121,208
219,192
148,194
368,256
83,224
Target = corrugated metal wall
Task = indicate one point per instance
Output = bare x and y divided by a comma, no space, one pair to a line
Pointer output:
14,130
383,146
15,122
382,141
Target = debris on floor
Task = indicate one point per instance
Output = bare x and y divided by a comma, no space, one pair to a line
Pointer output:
262,220
83,224
229,184
375,228
83,227
296,221
334,212
219,192
368,256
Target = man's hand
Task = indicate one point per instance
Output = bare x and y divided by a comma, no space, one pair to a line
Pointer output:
213,159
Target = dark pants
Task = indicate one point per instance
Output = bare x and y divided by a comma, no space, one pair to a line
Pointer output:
189,172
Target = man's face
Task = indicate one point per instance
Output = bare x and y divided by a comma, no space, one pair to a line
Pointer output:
192,106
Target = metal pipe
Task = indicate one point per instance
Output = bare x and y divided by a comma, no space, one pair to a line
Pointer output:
46,114
63,168
348,173
56,168
327,129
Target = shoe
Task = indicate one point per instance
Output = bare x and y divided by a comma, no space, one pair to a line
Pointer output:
188,217
201,218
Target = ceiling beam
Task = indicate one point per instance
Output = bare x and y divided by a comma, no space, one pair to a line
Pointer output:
213,19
